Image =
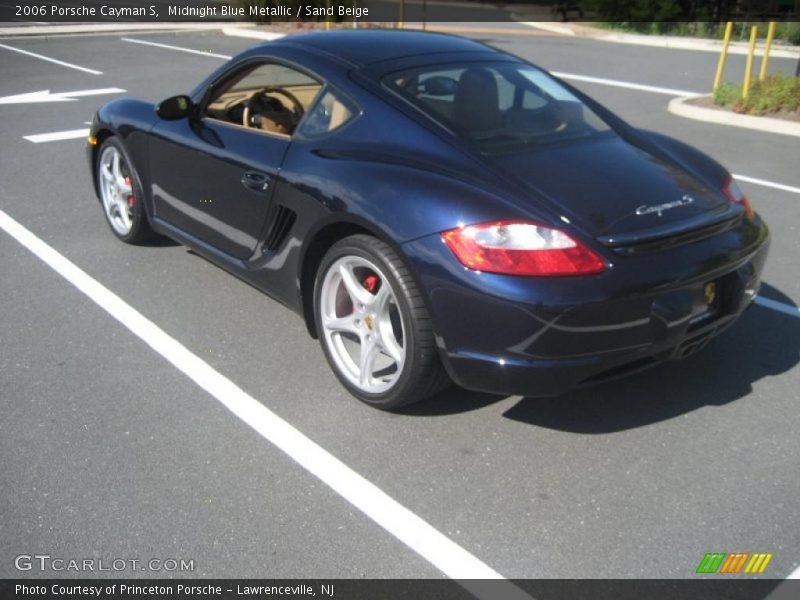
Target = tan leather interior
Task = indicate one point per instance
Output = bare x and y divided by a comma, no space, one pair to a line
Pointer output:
275,121
339,115
305,94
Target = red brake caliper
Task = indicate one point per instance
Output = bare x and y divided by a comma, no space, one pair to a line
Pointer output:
129,183
371,283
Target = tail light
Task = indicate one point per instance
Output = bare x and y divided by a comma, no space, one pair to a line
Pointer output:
521,248
734,193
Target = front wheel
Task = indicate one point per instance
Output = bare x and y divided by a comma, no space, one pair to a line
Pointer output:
373,326
120,194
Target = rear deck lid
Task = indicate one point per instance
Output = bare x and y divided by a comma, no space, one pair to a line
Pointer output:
615,191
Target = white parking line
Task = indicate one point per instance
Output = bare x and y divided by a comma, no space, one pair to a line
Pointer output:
177,48
787,590
57,136
765,183
787,309
447,556
625,84
52,60
45,96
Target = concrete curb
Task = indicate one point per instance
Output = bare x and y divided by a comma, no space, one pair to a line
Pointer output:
679,106
22,31
547,26
254,34
702,45
659,41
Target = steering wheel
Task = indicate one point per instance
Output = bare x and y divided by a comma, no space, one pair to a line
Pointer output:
297,107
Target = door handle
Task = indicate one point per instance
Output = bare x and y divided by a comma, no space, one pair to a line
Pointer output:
255,181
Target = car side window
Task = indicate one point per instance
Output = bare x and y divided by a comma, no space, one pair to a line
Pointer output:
330,113
425,88
268,97
506,92
532,100
498,106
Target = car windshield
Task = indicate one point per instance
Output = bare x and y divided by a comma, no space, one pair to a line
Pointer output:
500,107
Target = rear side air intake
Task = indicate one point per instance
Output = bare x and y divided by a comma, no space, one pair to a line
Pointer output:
282,219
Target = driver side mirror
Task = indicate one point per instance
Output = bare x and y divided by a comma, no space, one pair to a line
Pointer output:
177,107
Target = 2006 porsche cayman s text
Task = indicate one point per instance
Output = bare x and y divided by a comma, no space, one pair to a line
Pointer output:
437,210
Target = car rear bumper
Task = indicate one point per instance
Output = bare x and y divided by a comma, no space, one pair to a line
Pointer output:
543,337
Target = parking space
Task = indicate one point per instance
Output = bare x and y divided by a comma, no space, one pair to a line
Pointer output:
110,450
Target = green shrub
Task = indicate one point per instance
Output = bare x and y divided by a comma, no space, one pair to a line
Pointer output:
789,33
634,11
776,92
727,94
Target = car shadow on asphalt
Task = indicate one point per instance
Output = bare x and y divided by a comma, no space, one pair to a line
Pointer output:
451,401
763,343
159,241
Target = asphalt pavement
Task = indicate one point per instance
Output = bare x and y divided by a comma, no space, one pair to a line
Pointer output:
110,451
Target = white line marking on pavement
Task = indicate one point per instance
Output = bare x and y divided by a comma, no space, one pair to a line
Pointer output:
252,34
447,556
626,84
52,60
551,27
786,309
178,48
47,96
765,183
786,591
56,136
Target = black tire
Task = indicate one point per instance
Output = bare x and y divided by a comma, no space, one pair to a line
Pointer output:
422,373
140,230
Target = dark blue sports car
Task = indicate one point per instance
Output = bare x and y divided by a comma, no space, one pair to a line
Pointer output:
437,210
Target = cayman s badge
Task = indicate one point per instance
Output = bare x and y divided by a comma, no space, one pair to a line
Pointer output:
660,208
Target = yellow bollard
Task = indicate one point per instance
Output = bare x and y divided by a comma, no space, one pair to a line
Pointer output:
748,70
723,55
765,59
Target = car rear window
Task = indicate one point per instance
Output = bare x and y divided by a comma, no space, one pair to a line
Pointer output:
498,106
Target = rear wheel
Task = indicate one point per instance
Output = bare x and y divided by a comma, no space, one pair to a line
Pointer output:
120,194
373,326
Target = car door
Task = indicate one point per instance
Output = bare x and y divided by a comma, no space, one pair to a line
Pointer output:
212,175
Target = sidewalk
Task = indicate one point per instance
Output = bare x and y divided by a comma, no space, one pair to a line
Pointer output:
581,30
683,107
660,41
25,30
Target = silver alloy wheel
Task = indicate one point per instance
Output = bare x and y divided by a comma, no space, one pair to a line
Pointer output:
116,189
362,325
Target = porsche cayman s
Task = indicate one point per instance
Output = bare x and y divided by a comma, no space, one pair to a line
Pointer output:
437,210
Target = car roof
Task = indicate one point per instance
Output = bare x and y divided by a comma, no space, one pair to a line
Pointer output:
367,46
